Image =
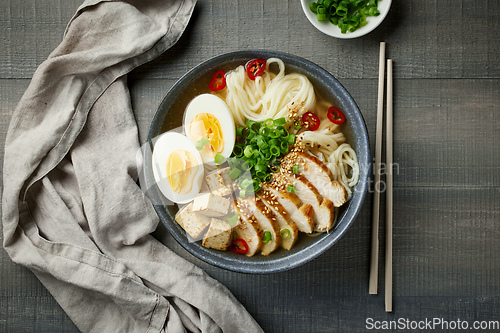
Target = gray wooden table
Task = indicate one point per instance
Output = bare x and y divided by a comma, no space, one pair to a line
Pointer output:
447,175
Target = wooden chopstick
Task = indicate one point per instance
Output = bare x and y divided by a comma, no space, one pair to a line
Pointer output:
388,203
378,155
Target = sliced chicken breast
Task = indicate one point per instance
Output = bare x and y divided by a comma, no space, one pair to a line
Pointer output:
317,173
307,193
300,213
249,230
265,218
288,229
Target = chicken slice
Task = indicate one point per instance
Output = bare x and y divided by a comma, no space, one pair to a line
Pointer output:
307,193
253,208
288,229
250,231
317,173
300,213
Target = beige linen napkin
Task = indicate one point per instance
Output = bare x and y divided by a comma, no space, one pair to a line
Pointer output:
72,211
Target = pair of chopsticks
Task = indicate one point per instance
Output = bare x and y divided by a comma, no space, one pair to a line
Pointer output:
377,185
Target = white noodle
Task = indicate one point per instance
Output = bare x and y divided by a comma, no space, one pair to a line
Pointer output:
339,156
269,95
273,96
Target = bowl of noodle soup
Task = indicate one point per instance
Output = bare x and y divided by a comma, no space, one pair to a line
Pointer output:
315,87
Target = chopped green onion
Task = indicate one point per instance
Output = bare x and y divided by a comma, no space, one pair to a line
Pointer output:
238,150
327,3
296,124
267,237
343,27
295,169
268,178
256,185
259,150
248,152
254,126
233,162
284,147
265,131
348,15
218,159
279,121
246,183
235,173
201,143
357,17
285,233
282,131
274,133
249,123
261,174
244,166
362,21
233,218
268,122
373,12
321,10
334,20
274,168
262,144
260,167
275,151
251,163
267,155
341,10
249,134
312,7
291,188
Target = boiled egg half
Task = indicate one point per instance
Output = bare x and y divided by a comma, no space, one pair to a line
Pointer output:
177,167
209,124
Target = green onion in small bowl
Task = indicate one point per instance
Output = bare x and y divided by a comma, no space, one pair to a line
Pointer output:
346,18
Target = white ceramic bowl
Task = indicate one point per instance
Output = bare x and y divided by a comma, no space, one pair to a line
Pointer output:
332,30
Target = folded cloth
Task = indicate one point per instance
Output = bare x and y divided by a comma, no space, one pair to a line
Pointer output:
72,210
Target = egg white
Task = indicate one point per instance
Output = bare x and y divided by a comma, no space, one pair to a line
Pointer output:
166,144
208,103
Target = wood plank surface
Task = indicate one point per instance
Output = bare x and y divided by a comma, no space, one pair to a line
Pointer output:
446,172
443,39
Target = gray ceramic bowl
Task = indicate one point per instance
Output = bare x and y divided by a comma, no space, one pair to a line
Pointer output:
169,116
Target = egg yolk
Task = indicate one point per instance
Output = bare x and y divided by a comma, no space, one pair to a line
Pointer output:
181,169
206,126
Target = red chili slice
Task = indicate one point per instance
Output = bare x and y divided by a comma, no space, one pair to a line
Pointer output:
255,68
239,246
335,115
218,81
311,121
